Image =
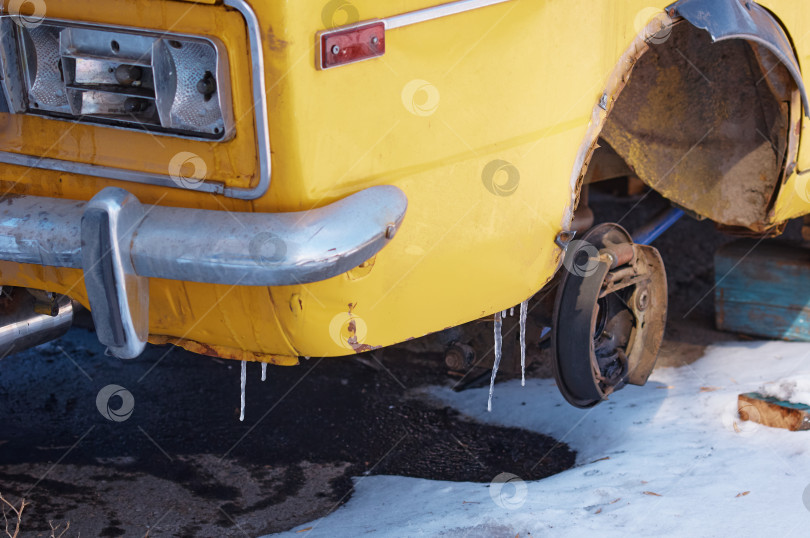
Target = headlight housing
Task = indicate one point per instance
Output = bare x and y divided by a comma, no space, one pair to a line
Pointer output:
122,77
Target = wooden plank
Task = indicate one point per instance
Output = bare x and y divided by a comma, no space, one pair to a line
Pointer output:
772,412
763,289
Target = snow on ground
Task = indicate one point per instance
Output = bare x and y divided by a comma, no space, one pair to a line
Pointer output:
671,458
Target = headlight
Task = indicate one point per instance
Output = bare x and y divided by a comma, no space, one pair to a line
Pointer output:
127,78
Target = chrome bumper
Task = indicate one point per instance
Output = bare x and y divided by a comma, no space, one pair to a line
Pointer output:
120,243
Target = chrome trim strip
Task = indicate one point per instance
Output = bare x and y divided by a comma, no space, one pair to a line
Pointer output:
104,172
259,103
436,12
163,180
198,245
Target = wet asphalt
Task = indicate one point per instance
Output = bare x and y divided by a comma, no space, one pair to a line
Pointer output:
182,464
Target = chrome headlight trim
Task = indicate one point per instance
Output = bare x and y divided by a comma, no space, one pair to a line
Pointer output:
262,134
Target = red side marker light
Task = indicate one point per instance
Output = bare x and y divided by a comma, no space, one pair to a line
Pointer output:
345,46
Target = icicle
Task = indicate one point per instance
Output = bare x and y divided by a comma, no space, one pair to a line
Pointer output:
244,382
512,311
264,371
498,341
524,307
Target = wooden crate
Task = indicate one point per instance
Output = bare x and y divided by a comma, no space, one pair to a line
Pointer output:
763,289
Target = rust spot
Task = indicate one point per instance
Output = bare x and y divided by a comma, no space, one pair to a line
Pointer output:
352,340
362,348
223,352
273,43
205,349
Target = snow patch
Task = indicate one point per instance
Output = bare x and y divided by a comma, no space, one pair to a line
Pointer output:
794,389
657,460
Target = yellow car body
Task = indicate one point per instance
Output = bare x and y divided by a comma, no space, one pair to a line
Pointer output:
517,83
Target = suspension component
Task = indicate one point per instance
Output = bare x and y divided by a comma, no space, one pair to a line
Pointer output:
29,318
609,315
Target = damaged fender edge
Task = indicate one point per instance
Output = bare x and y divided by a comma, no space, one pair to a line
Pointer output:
731,19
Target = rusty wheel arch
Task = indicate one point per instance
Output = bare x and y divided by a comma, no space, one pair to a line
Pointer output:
710,116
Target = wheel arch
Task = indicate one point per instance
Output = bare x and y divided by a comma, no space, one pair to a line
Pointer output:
681,123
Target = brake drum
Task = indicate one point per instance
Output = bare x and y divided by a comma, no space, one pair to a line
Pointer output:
609,315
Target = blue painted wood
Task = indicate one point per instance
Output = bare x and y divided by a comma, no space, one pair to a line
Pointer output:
763,289
782,403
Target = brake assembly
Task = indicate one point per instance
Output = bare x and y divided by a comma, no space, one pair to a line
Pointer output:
609,315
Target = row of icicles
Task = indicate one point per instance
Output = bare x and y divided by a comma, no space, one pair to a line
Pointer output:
524,307
244,383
